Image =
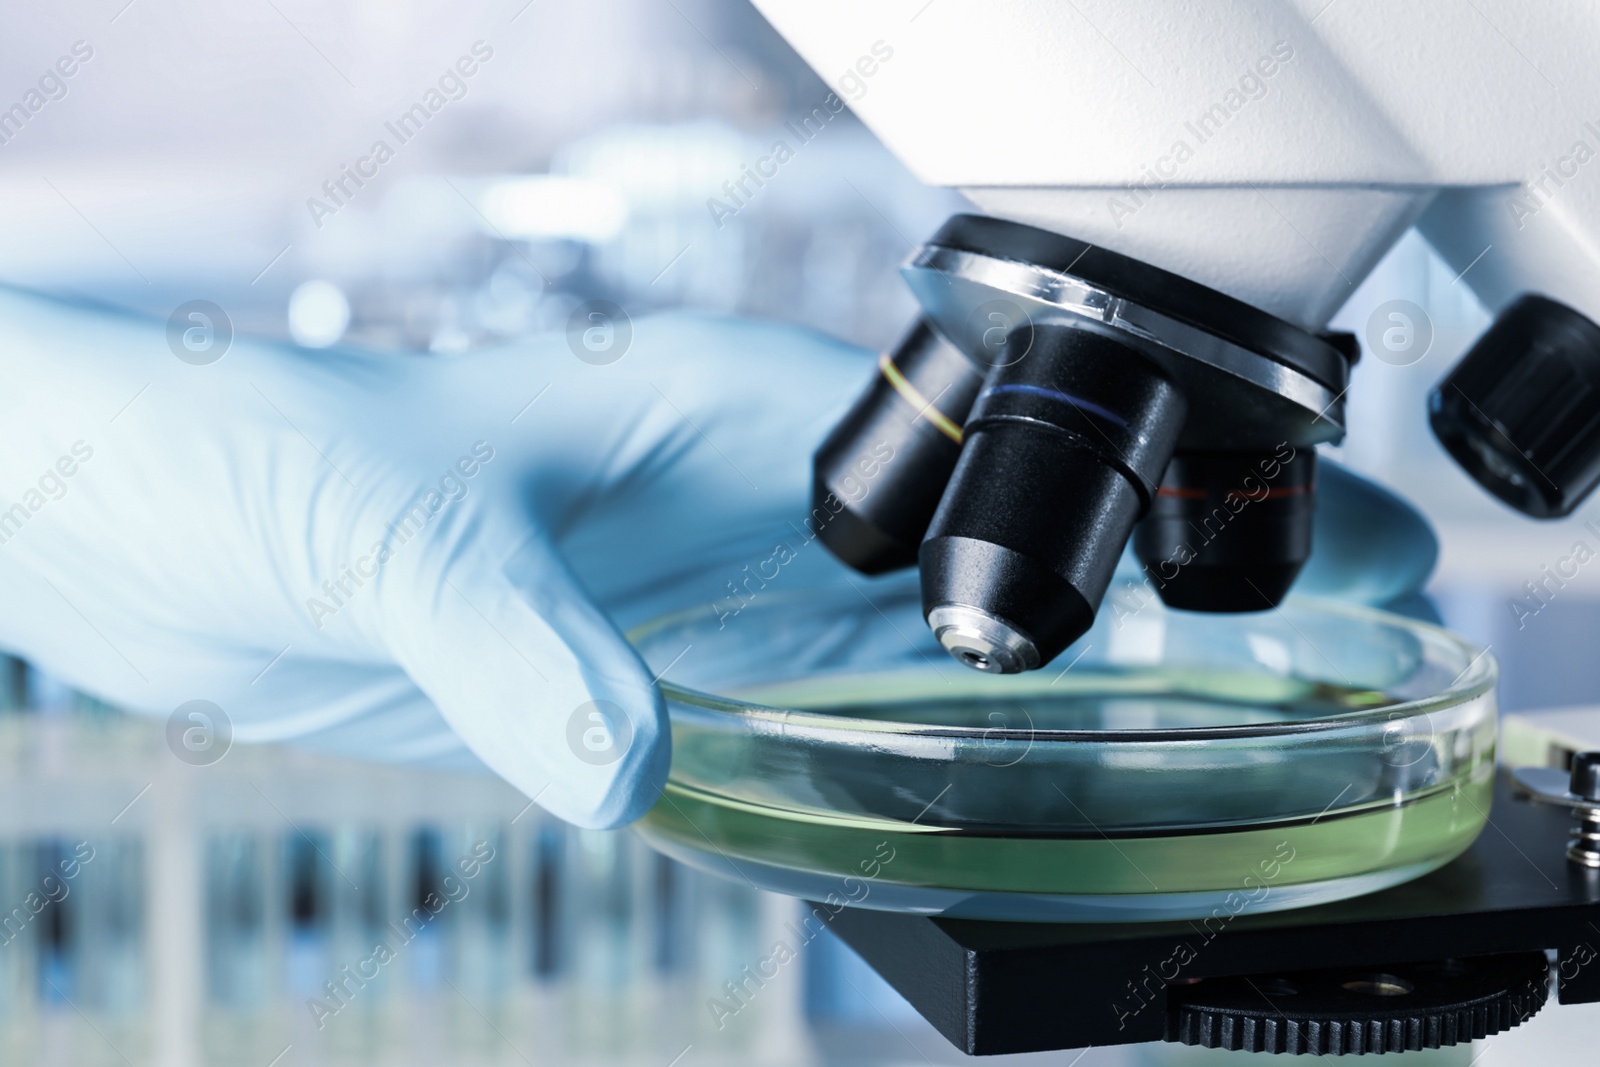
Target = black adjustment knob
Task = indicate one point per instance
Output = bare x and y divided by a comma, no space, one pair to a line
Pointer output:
1403,1007
1586,776
1521,411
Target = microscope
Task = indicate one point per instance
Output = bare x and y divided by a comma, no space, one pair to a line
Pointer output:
1129,341
1132,342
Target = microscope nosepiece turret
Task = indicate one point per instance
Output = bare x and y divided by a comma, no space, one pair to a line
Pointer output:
1055,398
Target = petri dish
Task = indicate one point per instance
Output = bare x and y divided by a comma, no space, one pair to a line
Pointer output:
1169,765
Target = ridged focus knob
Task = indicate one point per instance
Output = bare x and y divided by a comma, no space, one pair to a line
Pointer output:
1397,1008
1521,411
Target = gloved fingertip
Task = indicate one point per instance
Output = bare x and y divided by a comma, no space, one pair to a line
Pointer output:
537,682
618,744
639,784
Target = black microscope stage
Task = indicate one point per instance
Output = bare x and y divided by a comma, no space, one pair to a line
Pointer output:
1457,950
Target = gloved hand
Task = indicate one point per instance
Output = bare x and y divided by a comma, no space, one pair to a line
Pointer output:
428,559
401,557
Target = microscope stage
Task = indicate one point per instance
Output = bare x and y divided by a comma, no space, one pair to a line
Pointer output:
995,987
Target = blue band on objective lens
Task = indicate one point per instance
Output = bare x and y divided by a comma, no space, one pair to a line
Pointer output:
1055,394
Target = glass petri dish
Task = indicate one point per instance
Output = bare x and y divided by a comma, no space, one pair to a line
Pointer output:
1169,765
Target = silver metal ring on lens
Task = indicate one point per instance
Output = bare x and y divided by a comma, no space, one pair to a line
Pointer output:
982,641
950,282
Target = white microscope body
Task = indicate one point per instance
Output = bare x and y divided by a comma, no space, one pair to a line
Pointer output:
1272,151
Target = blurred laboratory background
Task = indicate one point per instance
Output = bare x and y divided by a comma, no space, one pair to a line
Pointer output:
226,913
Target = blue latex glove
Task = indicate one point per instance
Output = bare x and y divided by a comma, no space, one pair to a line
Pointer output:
1367,543
196,532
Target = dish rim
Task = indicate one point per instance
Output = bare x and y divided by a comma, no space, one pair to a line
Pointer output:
1478,677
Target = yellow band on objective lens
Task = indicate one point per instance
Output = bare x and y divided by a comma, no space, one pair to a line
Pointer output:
913,397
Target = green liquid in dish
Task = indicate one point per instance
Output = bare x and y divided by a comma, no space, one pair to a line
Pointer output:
1040,828
1427,831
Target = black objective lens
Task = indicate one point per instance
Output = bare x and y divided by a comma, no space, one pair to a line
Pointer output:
878,477
1064,450
1229,531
